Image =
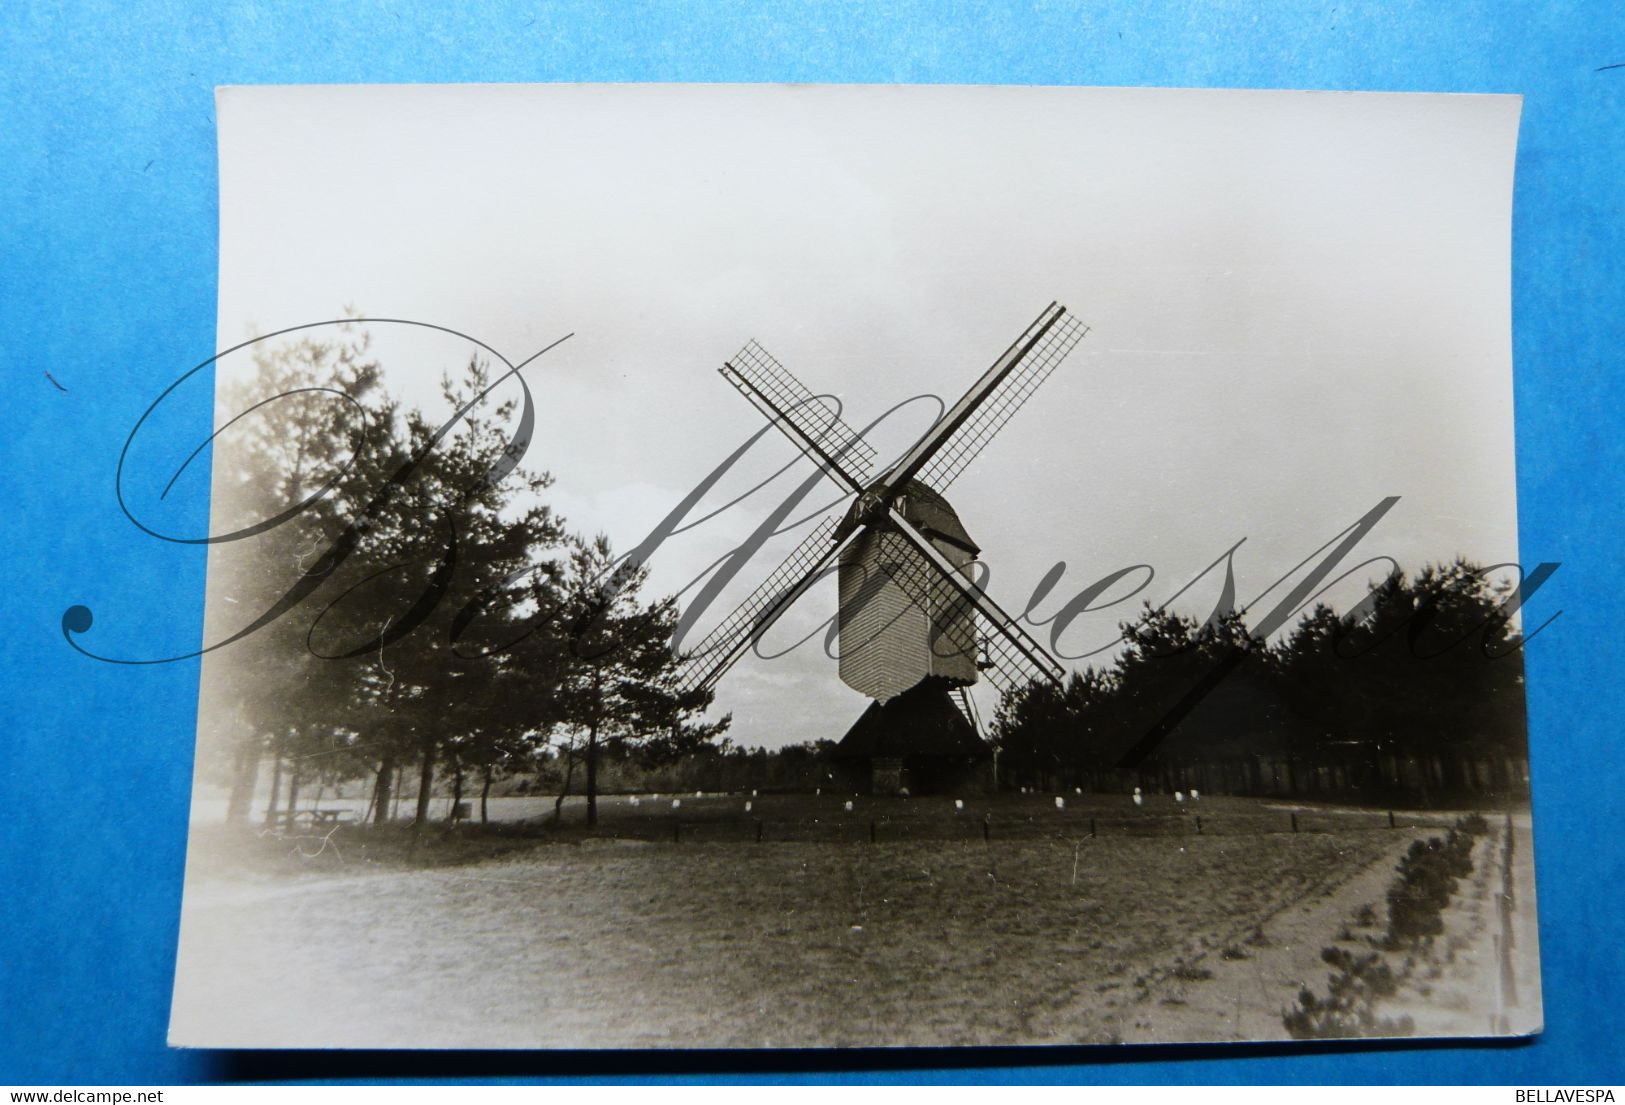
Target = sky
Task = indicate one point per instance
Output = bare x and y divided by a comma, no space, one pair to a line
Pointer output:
1299,305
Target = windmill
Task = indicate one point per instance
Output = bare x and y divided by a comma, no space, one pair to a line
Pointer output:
915,628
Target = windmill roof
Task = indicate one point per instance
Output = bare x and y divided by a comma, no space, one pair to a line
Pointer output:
922,721
926,508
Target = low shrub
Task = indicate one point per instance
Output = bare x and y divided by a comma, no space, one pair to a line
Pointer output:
1427,878
1349,1008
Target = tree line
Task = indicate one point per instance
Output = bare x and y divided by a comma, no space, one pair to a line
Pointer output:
1418,689
426,614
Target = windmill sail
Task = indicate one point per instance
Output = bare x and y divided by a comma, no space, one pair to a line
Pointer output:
709,660
967,707
814,419
963,445
967,621
966,428
897,584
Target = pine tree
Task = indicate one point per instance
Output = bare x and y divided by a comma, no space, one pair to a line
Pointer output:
622,688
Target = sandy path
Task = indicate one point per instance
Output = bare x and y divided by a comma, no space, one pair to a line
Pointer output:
1460,993
1260,978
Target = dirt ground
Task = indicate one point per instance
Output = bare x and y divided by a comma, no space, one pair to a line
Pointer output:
1454,987
1060,938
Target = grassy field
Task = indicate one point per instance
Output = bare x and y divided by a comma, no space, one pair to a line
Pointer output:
1039,933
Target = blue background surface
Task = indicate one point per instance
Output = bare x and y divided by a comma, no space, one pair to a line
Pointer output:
107,281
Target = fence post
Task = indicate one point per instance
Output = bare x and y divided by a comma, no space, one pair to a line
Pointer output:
1509,976
1506,862
1391,824
1294,820
676,832
986,835
871,832
758,832
1198,824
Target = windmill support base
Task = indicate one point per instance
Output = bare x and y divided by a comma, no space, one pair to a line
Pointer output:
917,743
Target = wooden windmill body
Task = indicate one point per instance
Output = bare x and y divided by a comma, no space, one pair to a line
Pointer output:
889,640
915,627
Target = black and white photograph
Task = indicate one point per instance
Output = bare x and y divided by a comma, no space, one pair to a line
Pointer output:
787,566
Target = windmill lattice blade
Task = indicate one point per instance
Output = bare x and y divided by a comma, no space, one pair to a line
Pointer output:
1008,657
709,660
813,417
1012,393
1001,662
967,709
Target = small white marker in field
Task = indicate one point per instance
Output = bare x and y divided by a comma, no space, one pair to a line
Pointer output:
697,794
747,807
753,794
676,803
1060,803
959,803
1195,794
1136,790
634,799
1138,799
849,807
1179,796
818,793
1077,790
